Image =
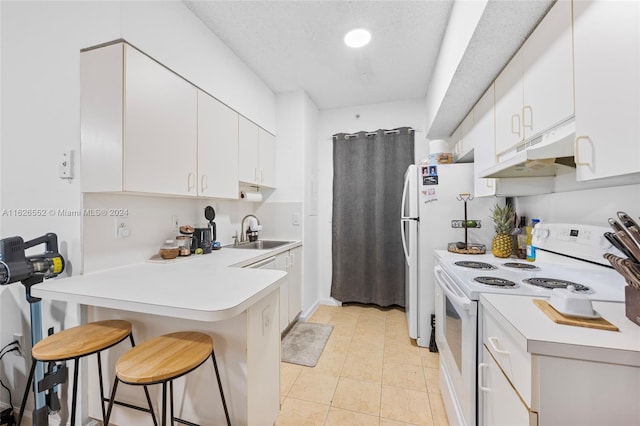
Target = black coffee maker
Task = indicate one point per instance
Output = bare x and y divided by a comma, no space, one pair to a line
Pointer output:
201,239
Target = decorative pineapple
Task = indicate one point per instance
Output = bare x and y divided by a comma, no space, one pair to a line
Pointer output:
503,217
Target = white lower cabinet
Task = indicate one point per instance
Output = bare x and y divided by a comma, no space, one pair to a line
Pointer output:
291,291
501,404
295,283
282,265
519,387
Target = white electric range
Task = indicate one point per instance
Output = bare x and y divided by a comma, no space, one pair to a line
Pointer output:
567,254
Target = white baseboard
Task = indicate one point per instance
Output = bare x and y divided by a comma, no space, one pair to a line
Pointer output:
305,315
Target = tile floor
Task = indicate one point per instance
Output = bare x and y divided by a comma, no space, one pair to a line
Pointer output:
370,373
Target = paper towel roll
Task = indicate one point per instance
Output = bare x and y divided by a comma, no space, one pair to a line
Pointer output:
437,146
254,197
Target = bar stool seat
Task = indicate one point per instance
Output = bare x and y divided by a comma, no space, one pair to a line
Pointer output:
82,340
162,359
75,343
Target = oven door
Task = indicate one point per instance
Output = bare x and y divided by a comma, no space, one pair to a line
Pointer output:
456,331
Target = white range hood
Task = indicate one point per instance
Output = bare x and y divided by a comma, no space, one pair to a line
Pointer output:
536,157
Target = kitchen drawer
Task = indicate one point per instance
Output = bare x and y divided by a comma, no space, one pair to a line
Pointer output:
509,348
501,405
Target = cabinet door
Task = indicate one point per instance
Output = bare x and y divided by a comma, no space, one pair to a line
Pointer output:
483,137
463,148
500,403
509,101
548,71
282,264
295,283
266,158
217,148
159,128
247,151
607,66
101,82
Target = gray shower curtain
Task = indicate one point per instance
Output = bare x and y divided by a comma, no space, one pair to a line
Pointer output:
368,175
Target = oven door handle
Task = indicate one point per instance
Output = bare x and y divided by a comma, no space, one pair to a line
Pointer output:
450,289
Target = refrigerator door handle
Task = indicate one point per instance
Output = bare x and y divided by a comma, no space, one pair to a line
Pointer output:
404,240
405,188
403,218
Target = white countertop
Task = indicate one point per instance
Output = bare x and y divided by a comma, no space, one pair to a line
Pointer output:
209,287
545,337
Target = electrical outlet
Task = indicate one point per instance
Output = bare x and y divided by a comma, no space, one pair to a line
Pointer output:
18,337
66,164
122,228
175,222
295,219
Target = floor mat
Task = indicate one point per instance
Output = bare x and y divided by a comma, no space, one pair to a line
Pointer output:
305,342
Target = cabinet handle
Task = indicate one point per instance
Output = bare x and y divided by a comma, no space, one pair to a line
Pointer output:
481,368
515,132
204,182
255,174
493,342
576,150
261,175
524,117
291,257
190,180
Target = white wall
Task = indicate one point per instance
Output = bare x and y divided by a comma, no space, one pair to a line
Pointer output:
391,115
587,207
40,116
296,176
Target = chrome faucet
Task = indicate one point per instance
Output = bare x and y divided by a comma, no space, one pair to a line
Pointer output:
243,235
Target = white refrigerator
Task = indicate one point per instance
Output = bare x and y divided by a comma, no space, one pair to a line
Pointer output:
430,202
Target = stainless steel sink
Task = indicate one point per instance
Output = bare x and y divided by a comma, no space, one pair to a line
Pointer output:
260,245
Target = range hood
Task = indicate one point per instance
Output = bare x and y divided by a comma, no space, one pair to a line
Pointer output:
538,156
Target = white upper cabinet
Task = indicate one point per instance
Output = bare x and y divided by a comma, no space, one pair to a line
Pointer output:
101,83
548,72
509,102
159,128
247,151
607,85
267,158
145,129
217,148
463,145
534,92
483,137
256,155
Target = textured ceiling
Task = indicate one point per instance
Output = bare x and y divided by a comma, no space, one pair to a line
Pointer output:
298,45
295,45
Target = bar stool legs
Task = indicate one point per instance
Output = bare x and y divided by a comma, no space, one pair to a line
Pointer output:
161,360
76,343
224,403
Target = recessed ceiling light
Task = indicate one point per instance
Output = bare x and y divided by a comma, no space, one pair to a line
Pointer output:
357,38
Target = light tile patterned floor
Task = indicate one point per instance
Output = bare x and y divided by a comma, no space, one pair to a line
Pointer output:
370,373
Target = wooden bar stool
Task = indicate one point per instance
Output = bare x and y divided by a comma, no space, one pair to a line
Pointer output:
75,343
163,359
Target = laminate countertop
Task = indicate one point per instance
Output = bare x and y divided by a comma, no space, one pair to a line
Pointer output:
545,337
211,287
